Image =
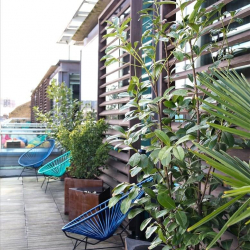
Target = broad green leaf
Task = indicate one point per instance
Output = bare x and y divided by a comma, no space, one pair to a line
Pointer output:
150,231
118,128
161,213
184,139
179,153
120,188
134,212
161,235
145,223
183,5
178,55
169,104
125,205
164,152
196,127
155,243
134,159
134,171
180,92
150,192
145,101
194,26
190,77
114,200
162,136
168,90
165,200
181,218
111,48
172,227
166,160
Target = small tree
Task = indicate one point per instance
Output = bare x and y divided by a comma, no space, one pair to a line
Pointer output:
65,115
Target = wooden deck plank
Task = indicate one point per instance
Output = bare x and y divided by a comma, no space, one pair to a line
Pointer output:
31,219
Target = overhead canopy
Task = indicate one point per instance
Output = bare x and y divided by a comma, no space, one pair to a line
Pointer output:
91,21
84,20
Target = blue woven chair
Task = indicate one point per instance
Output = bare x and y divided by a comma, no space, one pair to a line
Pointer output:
100,222
55,168
34,158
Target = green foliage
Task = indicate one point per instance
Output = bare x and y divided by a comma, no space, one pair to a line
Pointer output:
75,129
232,93
87,149
175,200
65,115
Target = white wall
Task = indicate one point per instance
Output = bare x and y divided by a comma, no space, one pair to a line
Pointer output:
89,71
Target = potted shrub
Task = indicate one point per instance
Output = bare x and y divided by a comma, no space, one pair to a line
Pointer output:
75,129
89,153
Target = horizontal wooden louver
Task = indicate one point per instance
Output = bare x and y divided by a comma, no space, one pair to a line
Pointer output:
40,99
113,80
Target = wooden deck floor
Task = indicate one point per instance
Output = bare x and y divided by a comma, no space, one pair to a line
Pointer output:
31,219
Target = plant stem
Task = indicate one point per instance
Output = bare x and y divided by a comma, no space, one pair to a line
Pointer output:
205,187
199,203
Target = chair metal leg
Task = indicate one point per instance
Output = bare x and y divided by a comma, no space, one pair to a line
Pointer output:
21,173
36,174
47,185
43,180
86,243
75,246
122,240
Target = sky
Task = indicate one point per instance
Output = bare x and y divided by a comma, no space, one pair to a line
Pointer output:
29,32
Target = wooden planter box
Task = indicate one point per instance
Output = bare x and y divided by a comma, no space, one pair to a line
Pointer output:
77,183
80,201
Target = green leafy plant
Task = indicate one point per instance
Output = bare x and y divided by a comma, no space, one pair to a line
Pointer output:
175,199
232,93
65,115
88,151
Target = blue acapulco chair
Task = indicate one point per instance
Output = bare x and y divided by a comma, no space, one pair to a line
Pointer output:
55,168
34,158
100,222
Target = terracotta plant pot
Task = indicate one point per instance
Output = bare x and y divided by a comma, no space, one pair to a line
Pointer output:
77,183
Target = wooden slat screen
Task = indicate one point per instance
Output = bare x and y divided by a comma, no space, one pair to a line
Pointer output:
40,99
113,80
